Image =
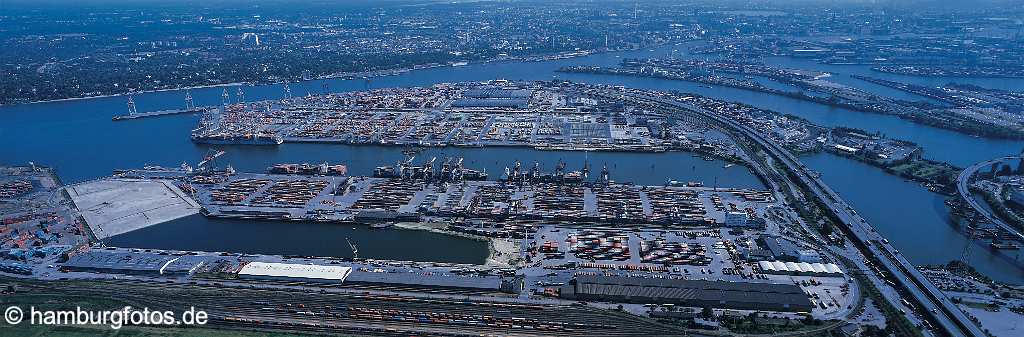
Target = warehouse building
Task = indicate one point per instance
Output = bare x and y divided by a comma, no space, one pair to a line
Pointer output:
294,272
799,268
692,293
138,263
427,279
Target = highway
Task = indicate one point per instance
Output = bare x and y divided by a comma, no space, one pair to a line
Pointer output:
934,302
962,182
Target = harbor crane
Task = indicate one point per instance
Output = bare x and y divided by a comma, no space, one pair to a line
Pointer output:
131,106
355,250
189,105
225,99
241,95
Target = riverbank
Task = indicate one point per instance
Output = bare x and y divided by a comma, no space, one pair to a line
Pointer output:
854,100
369,74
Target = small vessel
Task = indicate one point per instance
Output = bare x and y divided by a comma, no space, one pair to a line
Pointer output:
728,165
1004,245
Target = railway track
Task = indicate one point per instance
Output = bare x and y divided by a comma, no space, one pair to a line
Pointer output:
274,309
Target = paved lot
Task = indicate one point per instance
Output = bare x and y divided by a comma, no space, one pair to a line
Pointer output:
116,206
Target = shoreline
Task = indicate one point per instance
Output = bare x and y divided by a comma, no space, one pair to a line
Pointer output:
359,75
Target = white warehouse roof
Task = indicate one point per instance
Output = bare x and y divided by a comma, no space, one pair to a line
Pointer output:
805,267
295,271
772,267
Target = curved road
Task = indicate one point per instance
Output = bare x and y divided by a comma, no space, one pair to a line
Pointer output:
934,302
962,183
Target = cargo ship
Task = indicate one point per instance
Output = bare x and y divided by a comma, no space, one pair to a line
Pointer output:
247,139
385,172
309,170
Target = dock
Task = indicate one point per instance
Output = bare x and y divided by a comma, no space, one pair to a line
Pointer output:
158,113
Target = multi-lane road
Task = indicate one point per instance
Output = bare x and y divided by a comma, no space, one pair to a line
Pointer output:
930,298
962,182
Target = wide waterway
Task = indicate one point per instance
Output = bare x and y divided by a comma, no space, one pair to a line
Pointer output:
78,138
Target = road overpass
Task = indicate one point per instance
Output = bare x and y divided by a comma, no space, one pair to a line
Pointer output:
934,302
962,182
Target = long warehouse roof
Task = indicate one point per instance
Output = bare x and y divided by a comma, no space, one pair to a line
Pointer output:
293,270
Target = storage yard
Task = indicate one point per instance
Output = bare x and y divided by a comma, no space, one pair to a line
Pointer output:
360,199
497,114
38,223
556,256
571,229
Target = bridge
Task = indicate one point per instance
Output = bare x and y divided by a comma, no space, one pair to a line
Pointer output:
963,182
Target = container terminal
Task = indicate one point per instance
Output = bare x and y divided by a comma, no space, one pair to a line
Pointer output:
568,238
539,115
422,192
557,239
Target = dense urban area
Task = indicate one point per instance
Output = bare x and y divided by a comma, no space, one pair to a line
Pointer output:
621,168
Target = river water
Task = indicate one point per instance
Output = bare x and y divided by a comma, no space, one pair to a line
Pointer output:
79,139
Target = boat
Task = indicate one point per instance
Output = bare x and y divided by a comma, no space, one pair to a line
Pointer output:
247,139
385,172
1004,246
307,169
728,165
471,174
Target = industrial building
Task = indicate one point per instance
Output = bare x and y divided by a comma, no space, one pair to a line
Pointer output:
294,272
785,250
693,293
799,268
736,219
427,280
359,275
121,262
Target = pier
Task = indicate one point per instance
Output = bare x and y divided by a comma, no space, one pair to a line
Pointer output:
159,113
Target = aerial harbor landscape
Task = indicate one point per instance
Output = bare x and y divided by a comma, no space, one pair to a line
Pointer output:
797,168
